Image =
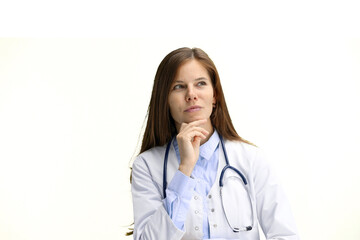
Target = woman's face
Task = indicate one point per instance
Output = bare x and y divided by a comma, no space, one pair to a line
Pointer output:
191,94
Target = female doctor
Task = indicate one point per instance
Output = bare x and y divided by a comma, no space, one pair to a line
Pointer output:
195,177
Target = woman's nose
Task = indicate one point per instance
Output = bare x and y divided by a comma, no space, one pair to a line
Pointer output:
191,94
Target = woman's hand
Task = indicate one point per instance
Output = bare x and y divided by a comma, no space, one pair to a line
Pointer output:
189,138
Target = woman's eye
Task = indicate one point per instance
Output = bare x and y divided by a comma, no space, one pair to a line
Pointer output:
201,83
178,86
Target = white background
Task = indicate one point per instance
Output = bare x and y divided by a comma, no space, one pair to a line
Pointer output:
76,81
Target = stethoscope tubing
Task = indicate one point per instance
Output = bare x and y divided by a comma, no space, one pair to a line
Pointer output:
222,172
227,166
165,167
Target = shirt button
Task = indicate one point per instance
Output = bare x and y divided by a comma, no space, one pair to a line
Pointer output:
196,211
212,210
215,225
196,197
209,196
196,228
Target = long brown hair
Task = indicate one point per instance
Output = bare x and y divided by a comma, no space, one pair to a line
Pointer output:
160,125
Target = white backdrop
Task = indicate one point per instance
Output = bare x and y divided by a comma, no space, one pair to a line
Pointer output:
71,111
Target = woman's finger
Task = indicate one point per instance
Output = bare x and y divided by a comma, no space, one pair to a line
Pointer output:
191,127
190,135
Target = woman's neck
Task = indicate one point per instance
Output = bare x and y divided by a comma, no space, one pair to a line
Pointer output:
210,129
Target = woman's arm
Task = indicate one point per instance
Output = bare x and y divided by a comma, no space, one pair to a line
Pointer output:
151,221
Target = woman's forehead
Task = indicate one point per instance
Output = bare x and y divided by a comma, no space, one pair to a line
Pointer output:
191,70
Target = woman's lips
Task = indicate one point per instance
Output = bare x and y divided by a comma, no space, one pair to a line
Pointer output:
193,109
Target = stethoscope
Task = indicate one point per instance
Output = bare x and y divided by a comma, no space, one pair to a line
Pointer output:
227,166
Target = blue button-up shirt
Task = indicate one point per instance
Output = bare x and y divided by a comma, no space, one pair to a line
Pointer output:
179,190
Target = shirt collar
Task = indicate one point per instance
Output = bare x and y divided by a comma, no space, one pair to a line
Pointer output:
208,148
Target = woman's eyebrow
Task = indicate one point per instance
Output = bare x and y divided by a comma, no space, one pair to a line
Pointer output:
201,78
196,79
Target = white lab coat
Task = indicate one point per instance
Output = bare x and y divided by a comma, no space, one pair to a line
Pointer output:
271,208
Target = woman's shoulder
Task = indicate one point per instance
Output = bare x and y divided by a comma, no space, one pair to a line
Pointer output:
151,155
248,151
150,162
153,152
248,157
242,146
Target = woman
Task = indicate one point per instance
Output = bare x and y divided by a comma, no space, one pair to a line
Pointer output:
188,140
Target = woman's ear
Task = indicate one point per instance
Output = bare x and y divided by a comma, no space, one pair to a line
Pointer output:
214,98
